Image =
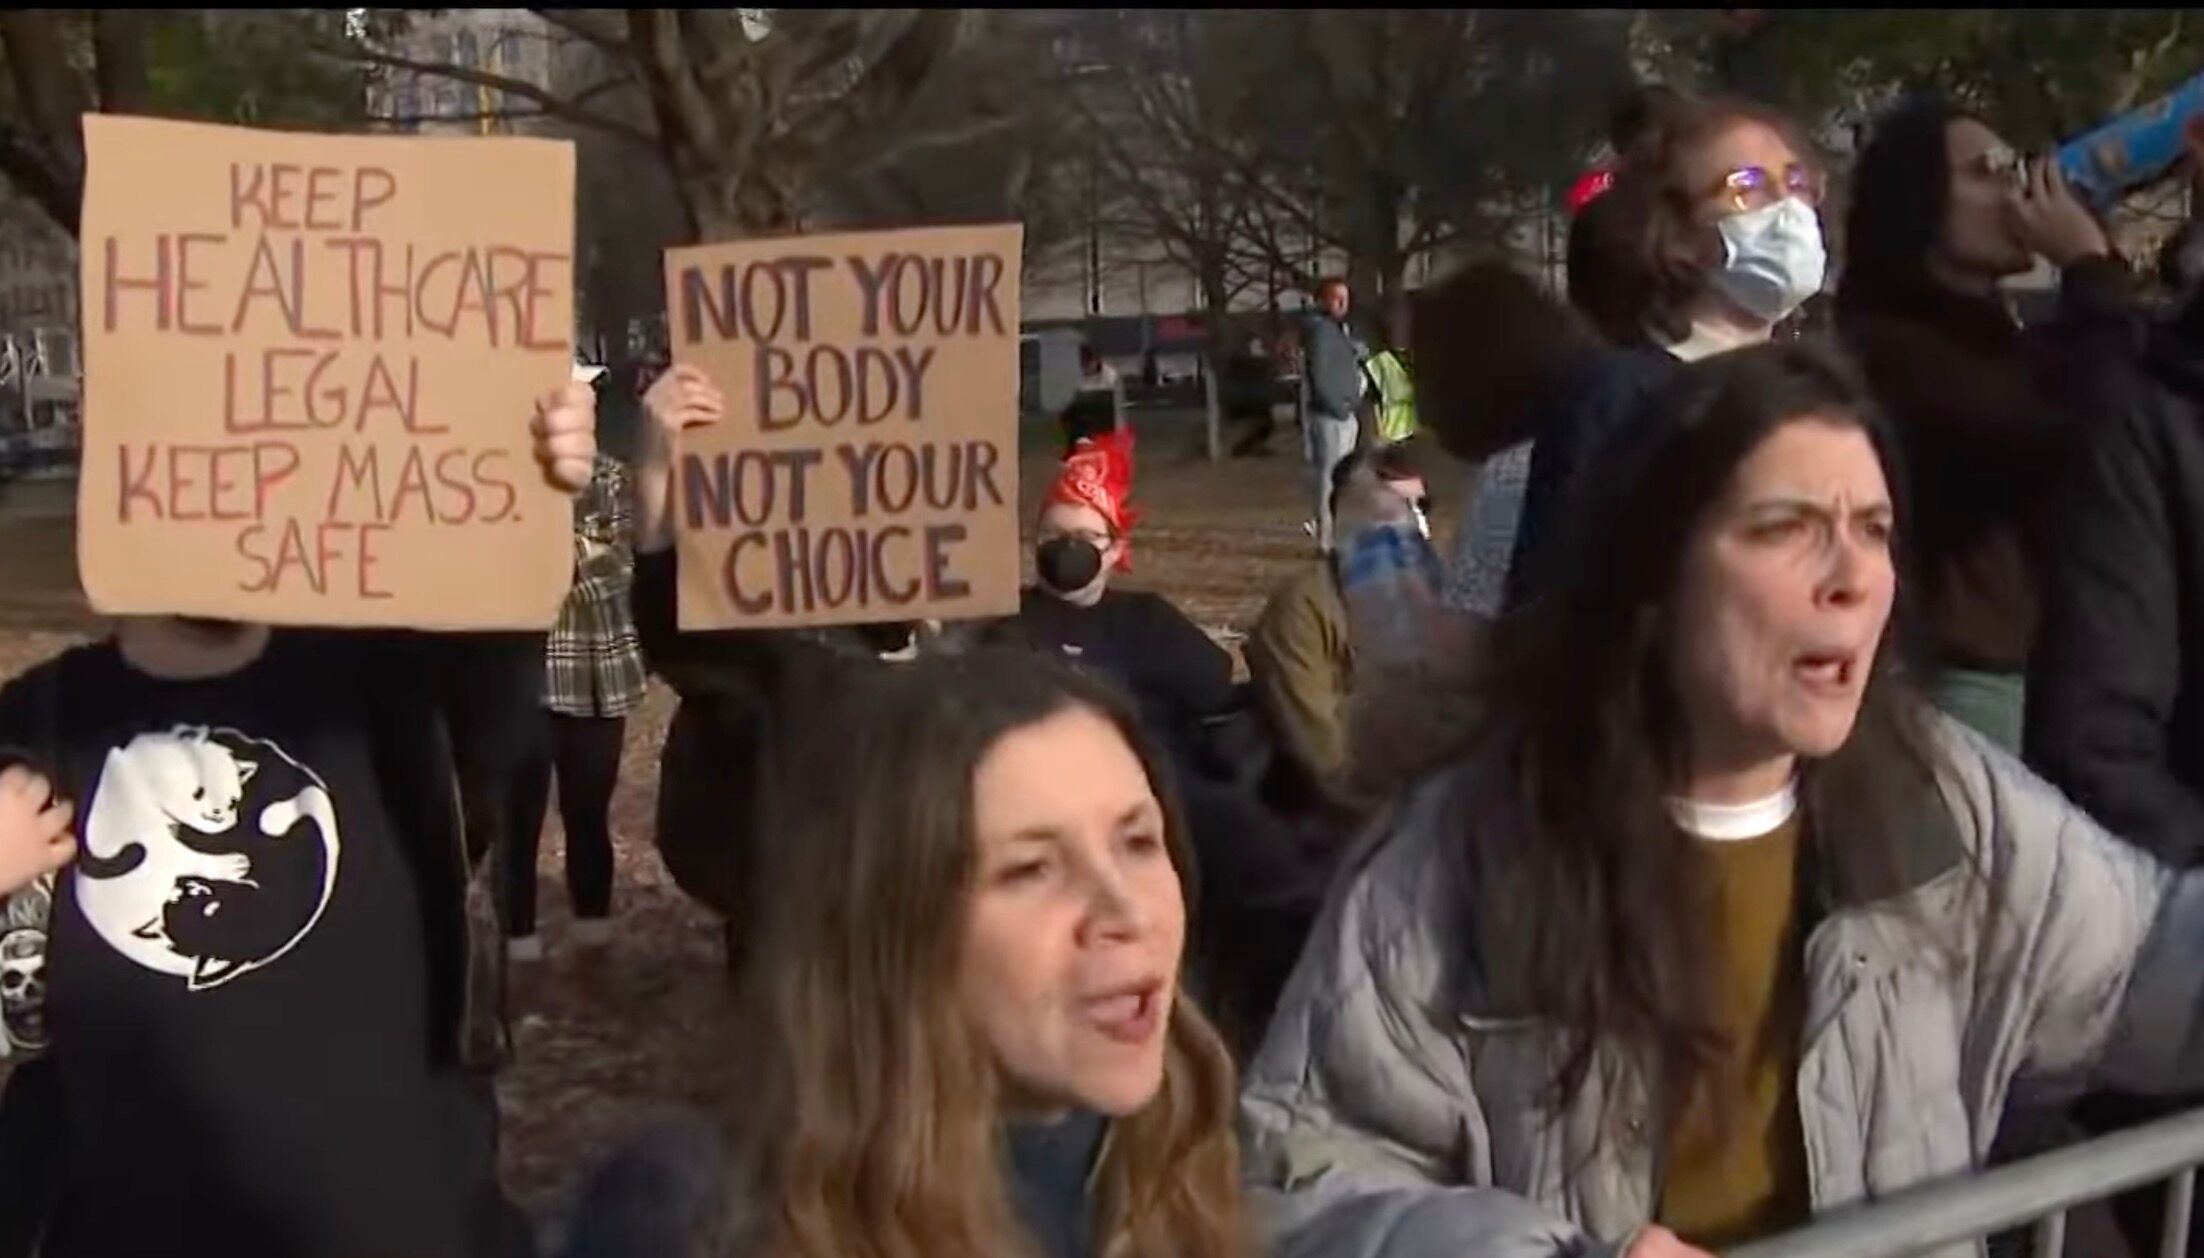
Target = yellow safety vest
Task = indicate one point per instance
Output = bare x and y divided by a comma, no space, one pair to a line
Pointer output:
1396,397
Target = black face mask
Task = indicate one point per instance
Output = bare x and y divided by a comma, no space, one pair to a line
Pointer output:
1067,564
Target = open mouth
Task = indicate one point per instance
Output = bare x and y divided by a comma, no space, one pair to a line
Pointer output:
1831,671
1130,1014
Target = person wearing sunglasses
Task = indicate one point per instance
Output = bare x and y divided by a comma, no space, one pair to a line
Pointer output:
1712,237
1943,211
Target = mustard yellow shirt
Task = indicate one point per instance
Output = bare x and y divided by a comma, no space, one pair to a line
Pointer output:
1731,1182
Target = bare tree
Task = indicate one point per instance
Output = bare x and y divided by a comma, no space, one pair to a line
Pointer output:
1391,134
224,65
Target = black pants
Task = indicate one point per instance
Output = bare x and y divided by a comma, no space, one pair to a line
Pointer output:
585,751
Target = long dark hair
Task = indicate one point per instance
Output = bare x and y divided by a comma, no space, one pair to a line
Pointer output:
871,1114
1584,901
1901,193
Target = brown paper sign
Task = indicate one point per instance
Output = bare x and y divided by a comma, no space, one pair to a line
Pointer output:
867,469
310,363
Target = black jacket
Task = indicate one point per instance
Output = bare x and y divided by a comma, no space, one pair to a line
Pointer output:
1988,413
2116,684
738,688
1594,399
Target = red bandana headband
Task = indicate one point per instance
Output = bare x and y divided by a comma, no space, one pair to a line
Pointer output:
1590,188
1098,474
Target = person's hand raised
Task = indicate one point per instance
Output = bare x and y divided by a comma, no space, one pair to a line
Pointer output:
2051,221
34,830
683,397
565,432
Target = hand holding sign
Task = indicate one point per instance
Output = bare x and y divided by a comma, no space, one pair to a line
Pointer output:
565,432
681,398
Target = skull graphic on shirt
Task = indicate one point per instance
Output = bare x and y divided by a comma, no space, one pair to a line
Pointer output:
23,987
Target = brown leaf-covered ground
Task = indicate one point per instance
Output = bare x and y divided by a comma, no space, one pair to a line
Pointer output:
603,1043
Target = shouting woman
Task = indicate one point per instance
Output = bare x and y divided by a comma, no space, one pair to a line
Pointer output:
1712,924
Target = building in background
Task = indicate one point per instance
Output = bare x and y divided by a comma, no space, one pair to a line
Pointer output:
514,43
40,369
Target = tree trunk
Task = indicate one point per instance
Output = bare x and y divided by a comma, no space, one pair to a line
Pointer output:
119,40
41,149
1213,406
1215,298
733,204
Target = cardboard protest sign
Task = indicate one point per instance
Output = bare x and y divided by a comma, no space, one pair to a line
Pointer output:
310,363
867,469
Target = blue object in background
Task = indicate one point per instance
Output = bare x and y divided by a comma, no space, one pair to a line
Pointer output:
2132,149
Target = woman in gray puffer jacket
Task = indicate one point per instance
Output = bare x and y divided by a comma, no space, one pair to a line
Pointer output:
1712,926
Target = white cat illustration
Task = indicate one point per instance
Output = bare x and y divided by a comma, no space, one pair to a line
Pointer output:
164,833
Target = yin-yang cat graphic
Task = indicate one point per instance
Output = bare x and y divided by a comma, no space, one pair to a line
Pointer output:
207,854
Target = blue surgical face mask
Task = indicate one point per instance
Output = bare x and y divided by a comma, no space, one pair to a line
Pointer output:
1773,259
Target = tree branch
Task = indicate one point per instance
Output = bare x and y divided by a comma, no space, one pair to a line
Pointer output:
44,151
684,115
478,115
577,23
898,149
31,168
554,104
888,85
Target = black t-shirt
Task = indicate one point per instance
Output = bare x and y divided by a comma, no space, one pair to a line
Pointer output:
239,1001
1165,661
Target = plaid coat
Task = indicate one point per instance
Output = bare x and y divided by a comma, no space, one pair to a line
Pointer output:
594,661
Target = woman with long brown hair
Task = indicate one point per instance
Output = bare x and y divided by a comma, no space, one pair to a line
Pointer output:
1990,412
1712,924
963,1029
967,1031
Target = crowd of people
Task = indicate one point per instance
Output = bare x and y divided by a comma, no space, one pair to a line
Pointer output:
1787,795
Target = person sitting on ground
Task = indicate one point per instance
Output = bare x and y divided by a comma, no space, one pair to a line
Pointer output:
1178,675
1300,655
967,1033
274,1033
1711,923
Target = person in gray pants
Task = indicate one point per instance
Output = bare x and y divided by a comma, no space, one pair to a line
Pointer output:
1333,385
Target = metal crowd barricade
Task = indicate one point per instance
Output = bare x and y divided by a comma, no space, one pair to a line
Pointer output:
2040,1191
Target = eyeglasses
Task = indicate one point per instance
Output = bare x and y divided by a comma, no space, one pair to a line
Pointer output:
1997,162
1750,188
